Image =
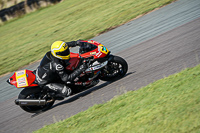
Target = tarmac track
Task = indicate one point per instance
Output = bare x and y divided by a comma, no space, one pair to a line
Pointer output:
168,49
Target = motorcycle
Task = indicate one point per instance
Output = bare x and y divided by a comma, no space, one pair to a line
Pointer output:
102,65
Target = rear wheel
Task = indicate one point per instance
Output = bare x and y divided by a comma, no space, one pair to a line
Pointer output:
34,93
115,69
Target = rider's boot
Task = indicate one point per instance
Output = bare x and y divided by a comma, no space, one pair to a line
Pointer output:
60,89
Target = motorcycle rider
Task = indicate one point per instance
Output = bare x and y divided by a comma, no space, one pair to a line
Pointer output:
52,68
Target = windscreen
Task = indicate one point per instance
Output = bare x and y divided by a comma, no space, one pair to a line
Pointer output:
86,47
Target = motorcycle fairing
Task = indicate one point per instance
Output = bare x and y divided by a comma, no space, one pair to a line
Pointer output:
23,78
97,67
74,61
100,52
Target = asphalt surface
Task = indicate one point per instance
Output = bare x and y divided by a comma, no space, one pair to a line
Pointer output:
156,45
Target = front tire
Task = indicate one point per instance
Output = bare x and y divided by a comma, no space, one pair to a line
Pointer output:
34,93
116,68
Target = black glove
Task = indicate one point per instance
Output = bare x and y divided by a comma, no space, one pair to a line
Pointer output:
72,44
83,67
78,43
85,64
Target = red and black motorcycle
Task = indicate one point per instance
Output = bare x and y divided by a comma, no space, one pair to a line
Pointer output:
102,65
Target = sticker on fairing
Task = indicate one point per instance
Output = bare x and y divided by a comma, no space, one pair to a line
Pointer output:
92,53
103,49
96,67
21,78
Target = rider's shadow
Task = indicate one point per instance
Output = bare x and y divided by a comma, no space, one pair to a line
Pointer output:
88,91
84,93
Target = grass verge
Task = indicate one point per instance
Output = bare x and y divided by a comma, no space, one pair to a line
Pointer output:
167,105
27,39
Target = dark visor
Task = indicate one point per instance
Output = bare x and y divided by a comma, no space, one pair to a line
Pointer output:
64,53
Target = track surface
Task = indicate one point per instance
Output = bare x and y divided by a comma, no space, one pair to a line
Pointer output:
172,50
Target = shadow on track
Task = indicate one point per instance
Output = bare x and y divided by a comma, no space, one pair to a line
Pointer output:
83,93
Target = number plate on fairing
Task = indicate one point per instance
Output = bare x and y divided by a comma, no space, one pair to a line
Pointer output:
21,78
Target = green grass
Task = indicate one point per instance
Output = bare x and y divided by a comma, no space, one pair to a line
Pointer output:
169,105
27,39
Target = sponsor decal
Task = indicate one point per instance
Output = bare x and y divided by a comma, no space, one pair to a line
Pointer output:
91,41
98,66
99,54
59,67
97,72
21,79
65,45
103,49
19,73
92,53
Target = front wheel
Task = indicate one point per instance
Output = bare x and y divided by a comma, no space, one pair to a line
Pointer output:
116,68
34,93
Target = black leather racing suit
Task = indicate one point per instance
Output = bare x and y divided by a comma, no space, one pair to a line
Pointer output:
52,69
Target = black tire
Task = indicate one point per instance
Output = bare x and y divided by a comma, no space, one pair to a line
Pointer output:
117,64
33,93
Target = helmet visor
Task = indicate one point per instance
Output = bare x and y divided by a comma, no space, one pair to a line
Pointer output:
63,53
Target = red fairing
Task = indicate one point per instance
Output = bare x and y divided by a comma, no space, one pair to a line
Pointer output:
13,80
91,53
98,52
29,76
74,61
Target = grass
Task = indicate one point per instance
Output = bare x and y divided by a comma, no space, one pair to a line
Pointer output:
27,39
169,105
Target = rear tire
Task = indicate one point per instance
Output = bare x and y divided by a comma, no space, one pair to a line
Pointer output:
115,69
33,93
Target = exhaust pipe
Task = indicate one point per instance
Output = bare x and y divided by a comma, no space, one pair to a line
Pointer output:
25,102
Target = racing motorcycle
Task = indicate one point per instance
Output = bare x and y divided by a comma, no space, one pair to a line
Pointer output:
101,65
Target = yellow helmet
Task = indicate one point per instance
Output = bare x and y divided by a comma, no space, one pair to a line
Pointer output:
60,50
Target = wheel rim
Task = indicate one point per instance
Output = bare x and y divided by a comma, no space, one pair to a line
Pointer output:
114,69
